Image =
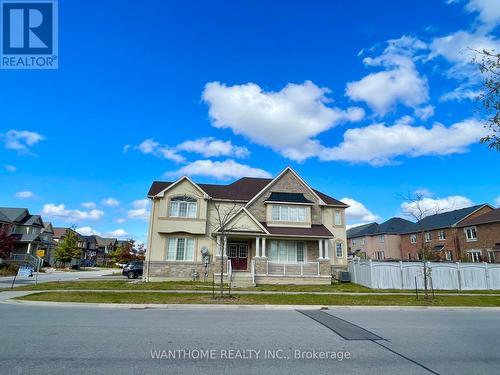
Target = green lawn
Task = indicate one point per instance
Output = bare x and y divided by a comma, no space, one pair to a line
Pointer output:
197,285
253,299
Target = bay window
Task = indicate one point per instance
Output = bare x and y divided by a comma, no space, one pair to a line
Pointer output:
289,213
183,207
287,252
180,249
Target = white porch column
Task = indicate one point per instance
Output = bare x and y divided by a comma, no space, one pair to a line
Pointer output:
257,247
225,246
218,244
320,244
264,255
326,249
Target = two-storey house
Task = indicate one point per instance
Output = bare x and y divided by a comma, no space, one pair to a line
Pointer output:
378,241
25,229
479,237
438,234
276,230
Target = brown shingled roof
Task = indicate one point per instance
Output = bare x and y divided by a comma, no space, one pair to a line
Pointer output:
488,217
243,189
316,230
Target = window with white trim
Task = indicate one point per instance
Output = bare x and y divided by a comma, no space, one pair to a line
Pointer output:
183,207
287,252
339,250
442,235
474,255
338,217
428,236
470,233
289,213
180,249
381,238
413,238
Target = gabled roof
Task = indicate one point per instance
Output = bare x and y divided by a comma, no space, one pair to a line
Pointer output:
101,241
14,214
445,219
242,190
3,218
243,213
487,218
60,231
394,225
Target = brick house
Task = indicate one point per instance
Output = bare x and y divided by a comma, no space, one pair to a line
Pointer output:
378,241
479,237
280,230
440,234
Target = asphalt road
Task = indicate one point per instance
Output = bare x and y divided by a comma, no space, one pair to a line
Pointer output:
6,282
78,340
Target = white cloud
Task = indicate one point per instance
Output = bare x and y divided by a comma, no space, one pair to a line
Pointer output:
21,140
210,147
24,194
10,168
357,211
118,233
489,12
379,144
140,210
88,205
120,220
424,112
150,146
431,206
497,201
59,211
398,83
221,170
285,120
87,231
110,202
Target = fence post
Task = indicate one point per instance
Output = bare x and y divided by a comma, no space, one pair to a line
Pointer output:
401,273
371,273
486,276
354,271
458,275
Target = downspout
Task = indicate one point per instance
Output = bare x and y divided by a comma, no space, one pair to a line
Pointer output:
150,238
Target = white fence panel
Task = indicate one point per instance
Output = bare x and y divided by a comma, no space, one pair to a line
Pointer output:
445,276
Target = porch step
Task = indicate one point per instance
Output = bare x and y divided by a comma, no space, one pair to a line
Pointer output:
242,280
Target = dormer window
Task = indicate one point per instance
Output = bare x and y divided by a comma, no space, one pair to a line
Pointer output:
183,207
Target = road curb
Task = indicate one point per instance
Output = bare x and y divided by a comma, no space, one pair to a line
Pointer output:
154,306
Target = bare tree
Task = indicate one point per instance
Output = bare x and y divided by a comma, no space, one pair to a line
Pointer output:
221,224
417,210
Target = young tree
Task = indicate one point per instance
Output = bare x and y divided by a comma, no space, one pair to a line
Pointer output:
221,224
67,249
124,252
6,241
489,66
417,208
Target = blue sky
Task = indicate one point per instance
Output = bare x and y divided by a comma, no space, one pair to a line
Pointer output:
366,100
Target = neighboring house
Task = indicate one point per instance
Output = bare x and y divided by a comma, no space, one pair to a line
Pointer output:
281,230
479,237
47,243
26,229
105,246
378,241
439,233
90,251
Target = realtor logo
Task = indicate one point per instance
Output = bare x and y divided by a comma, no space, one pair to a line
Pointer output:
29,34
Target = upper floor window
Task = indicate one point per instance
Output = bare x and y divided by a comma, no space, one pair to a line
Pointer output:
413,238
470,233
381,238
442,235
428,236
180,249
338,217
183,207
353,242
289,213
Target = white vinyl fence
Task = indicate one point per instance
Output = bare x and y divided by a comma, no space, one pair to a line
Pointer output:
404,275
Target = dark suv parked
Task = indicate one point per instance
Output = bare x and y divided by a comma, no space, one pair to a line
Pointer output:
133,269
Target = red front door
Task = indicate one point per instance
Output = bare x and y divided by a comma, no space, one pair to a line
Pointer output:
238,253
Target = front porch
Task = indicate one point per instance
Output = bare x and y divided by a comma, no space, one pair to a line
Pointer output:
274,260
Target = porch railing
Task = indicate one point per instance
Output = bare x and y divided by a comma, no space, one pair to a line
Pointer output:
290,269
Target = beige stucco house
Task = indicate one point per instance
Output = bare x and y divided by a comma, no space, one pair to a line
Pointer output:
276,230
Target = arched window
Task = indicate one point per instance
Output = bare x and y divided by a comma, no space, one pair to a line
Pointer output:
183,206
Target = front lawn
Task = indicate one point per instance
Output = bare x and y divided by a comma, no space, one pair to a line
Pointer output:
263,299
